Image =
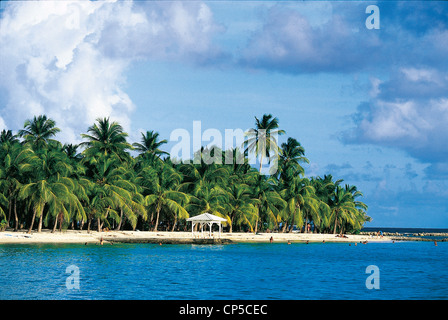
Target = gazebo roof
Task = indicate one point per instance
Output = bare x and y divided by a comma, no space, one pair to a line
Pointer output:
206,217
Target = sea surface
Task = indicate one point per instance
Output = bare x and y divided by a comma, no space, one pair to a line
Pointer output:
324,271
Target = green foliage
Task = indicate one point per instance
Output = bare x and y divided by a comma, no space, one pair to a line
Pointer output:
3,225
103,186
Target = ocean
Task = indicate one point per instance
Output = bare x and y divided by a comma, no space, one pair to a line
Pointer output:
278,271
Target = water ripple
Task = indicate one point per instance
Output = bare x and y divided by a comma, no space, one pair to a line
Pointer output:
240,271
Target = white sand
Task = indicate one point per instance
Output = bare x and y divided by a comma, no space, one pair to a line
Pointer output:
75,236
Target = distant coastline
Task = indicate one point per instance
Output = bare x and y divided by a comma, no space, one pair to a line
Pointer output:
409,234
405,230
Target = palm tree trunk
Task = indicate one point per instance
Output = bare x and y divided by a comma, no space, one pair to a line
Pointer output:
335,223
121,220
284,227
39,226
174,224
292,224
100,226
16,218
9,210
256,226
55,224
152,217
306,225
32,221
157,220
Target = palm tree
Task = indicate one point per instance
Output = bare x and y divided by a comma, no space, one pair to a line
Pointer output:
197,176
355,194
48,184
270,203
39,131
238,167
205,183
343,209
323,190
39,194
7,137
241,207
163,195
112,190
291,156
261,140
15,158
72,151
67,207
209,199
301,202
150,145
361,217
41,178
107,139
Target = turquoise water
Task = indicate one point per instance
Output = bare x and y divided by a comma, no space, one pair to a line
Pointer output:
407,270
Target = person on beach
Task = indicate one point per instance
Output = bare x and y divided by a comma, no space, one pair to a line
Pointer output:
101,241
271,240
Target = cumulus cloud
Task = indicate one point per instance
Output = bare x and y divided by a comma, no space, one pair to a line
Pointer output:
68,59
409,112
335,169
289,41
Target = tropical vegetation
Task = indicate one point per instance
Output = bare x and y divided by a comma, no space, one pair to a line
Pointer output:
109,183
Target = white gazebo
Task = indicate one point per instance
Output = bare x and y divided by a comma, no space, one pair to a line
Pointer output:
206,219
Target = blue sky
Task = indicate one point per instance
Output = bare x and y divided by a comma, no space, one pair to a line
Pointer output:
370,106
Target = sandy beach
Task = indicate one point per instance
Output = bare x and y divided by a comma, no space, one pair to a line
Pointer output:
76,236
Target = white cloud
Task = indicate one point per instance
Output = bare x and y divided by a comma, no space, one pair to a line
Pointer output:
68,59
2,124
408,112
291,41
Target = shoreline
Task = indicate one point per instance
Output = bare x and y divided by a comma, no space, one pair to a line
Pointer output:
177,237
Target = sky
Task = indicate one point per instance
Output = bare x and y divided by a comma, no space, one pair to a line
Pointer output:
365,92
